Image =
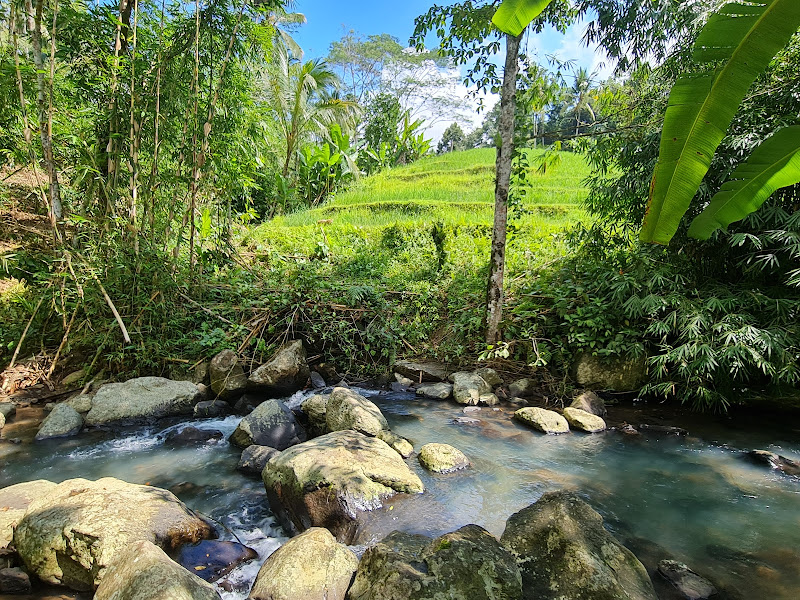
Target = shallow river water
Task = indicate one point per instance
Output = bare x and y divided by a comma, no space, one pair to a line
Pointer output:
693,498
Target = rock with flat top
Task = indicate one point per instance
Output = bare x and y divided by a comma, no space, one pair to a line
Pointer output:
142,571
420,372
333,479
70,535
346,409
310,566
284,374
142,399
580,419
436,391
546,421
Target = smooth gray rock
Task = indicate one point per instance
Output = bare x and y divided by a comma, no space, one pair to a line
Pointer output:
591,403
686,581
468,564
14,581
315,408
270,424
401,445
469,387
254,458
284,374
563,551
310,566
142,399
317,381
62,421
8,409
190,436
142,571
228,380
331,480
436,391
348,410
211,560
81,403
212,408
419,372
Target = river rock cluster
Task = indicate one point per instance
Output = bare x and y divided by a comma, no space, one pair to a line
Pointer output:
325,465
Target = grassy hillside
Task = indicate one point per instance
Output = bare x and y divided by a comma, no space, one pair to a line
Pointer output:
412,245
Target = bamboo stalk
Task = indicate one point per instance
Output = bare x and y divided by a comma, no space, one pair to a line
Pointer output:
114,310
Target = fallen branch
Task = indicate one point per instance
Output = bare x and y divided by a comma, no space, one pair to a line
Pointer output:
114,310
25,332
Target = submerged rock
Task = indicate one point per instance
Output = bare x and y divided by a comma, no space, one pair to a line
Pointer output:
686,581
420,372
72,534
436,391
254,458
212,559
468,564
14,502
580,419
285,373
348,410
189,435
311,566
591,403
270,424
142,571
142,399
442,458
665,429
563,551
469,387
546,421
62,421
330,480
228,380
774,461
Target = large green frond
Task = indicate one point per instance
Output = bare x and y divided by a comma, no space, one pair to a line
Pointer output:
701,107
773,165
513,16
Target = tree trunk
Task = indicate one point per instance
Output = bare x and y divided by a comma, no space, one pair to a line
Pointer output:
45,113
494,293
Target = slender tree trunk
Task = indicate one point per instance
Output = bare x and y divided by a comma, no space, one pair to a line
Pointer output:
193,183
156,124
494,294
134,140
45,109
112,147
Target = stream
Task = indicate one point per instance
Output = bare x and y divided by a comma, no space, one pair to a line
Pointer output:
693,498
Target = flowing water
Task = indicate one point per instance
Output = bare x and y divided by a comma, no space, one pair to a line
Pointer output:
692,498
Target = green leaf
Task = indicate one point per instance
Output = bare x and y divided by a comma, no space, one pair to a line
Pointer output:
513,16
701,107
773,165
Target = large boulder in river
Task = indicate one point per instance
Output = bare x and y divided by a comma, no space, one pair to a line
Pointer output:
330,480
270,424
72,534
14,501
421,371
591,403
603,373
142,571
346,409
285,373
436,391
442,458
563,551
311,566
142,399
585,421
62,421
468,564
469,387
546,421
315,408
227,377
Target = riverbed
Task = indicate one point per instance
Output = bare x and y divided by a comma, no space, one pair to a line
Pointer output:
693,497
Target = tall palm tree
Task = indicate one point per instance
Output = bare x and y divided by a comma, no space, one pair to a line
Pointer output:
582,96
302,101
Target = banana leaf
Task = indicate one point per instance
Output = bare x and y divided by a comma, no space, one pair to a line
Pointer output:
773,165
743,38
513,16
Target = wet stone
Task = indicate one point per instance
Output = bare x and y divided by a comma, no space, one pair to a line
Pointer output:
14,581
686,581
212,559
189,436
